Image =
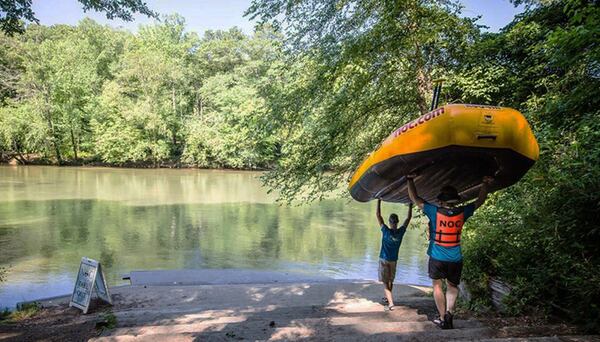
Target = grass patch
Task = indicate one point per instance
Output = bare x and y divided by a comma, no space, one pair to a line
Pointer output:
4,314
475,306
108,321
23,312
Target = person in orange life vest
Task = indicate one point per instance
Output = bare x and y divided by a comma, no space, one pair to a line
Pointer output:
445,255
388,256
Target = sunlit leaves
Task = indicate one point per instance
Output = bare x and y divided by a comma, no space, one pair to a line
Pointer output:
357,70
162,96
540,235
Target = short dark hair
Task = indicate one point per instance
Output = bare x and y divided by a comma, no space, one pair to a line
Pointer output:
394,218
448,193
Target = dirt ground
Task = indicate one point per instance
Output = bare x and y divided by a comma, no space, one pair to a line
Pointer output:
273,311
58,323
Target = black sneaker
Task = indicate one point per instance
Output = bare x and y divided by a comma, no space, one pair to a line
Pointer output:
439,322
448,317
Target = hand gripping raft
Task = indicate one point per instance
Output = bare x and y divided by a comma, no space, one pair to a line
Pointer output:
453,145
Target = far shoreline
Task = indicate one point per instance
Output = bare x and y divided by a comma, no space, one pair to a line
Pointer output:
133,166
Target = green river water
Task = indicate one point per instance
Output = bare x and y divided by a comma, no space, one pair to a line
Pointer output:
140,219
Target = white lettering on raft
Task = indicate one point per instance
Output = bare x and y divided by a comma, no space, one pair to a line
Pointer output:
482,106
421,120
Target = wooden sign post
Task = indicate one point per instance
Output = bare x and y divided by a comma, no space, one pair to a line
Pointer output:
89,277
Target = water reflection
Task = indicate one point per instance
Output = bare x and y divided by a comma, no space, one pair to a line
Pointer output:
159,219
131,186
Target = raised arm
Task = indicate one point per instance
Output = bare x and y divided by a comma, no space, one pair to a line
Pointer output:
379,218
412,192
483,191
409,215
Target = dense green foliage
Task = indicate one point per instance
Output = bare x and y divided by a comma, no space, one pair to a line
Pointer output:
162,96
542,235
366,67
359,70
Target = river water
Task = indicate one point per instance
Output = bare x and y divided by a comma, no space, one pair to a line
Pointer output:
140,219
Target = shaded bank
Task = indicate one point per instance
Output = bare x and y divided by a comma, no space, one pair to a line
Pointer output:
12,160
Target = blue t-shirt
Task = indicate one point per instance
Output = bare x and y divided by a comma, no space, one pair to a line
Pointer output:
441,253
390,242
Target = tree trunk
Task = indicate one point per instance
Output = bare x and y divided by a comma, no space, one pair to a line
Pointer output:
174,102
21,159
423,79
423,85
54,139
74,143
17,154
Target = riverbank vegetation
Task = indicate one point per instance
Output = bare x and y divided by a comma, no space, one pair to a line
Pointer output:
541,235
162,96
23,312
317,87
372,68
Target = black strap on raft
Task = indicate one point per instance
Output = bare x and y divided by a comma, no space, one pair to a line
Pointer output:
437,89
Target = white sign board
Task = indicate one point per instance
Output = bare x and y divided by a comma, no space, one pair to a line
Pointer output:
89,277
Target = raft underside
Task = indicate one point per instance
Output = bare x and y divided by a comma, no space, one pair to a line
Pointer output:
458,166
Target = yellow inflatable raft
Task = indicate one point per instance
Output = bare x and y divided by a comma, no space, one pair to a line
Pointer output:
453,145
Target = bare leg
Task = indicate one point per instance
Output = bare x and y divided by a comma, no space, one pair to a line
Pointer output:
388,293
438,295
451,294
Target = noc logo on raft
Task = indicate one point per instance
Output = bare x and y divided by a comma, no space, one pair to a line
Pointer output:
421,120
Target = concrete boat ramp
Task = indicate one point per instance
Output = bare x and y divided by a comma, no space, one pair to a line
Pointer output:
231,305
219,277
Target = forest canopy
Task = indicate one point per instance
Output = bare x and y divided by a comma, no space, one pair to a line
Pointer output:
91,93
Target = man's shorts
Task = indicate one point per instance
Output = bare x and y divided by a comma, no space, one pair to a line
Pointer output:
450,271
387,271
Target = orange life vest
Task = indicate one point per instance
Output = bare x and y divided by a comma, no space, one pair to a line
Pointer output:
448,229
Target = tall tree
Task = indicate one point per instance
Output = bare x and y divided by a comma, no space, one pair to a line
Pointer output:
151,93
544,63
10,68
361,68
60,79
160,96
231,130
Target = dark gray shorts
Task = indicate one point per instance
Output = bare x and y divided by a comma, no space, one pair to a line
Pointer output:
387,271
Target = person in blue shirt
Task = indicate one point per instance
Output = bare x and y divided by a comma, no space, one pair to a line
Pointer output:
388,256
445,255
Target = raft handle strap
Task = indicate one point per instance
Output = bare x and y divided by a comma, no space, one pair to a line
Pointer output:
486,136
